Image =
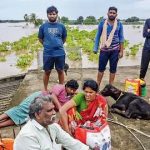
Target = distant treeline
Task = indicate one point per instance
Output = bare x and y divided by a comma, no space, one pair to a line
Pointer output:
11,21
89,20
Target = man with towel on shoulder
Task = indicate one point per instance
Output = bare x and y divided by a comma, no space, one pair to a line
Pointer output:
110,36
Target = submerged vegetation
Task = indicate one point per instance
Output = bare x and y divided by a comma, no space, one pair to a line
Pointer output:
25,48
131,50
134,49
24,60
78,42
74,54
84,40
2,59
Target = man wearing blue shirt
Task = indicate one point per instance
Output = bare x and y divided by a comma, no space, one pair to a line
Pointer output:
110,36
53,35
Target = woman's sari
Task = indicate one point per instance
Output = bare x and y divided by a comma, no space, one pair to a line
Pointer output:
96,110
90,125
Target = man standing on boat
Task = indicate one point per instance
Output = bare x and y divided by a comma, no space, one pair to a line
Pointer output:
53,35
110,36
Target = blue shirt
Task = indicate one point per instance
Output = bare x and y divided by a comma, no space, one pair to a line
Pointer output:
117,39
53,35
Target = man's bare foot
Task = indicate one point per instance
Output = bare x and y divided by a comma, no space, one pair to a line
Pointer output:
45,92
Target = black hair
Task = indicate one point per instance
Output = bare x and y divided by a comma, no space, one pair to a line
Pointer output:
37,104
51,9
91,84
113,8
72,84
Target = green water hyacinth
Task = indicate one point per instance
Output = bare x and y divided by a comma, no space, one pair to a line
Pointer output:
25,60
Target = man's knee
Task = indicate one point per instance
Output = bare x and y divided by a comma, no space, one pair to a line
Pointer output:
113,68
60,71
47,72
113,71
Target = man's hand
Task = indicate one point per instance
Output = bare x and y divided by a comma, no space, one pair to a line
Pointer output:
148,30
120,54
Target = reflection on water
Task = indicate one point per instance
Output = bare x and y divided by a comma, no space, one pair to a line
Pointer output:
18,30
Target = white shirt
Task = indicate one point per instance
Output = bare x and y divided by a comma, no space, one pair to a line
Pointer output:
33,136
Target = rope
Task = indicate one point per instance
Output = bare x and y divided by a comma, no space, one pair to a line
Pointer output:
118,123
139,132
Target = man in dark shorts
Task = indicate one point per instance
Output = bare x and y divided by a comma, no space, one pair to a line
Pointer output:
53,35
110,36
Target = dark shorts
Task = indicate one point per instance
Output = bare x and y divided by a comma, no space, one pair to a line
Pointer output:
49,62
112,57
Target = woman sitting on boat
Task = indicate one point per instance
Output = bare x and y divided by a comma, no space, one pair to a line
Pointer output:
87,112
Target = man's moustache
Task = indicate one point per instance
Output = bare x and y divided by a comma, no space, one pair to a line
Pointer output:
112,18
53,118
52,20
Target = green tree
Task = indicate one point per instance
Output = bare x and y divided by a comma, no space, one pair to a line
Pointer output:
26,18
80,20
90,20
33,18
64,20
132,19
38,22
99,19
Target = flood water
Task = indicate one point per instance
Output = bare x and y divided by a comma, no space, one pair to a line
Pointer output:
14,31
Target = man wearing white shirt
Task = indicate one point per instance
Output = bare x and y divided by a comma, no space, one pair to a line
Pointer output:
41,133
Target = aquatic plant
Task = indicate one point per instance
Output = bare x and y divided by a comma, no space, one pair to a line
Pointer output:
126,44
74,54
76,39
24,60
134,49
21,45
2,59
5,46
93,57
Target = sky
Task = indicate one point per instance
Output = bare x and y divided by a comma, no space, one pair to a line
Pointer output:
16,9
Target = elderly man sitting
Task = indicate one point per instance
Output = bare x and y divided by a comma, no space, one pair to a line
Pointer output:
41,133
